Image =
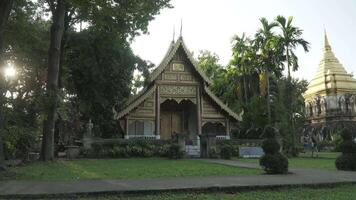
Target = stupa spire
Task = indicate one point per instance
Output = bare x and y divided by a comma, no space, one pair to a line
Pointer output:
326,41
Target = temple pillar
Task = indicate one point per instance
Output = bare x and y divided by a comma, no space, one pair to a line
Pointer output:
227,126
126,128
198,96
158,113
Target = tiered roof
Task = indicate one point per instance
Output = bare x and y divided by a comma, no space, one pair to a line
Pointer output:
136,100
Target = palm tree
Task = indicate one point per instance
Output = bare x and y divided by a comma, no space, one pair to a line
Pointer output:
269,54
241,58
290,40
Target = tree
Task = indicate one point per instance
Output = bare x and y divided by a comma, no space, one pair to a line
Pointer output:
5,9
209,63
243,58
290,40
126,19
100,66
58,10
269,55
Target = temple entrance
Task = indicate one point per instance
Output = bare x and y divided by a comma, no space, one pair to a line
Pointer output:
178,118
171,122
214,128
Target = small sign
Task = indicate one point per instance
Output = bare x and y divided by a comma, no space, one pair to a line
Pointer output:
251,152
178,67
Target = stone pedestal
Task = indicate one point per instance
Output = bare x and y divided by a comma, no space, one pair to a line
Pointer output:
180,140
72,152
207,142
87,142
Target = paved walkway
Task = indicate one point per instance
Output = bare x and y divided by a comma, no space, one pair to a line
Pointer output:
34,189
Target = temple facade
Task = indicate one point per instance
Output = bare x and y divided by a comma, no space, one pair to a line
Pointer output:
177,100
330,99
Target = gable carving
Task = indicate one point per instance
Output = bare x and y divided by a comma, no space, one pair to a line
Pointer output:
177,90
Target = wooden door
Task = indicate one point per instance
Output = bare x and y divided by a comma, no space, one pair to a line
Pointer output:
171,121
165,125
176,122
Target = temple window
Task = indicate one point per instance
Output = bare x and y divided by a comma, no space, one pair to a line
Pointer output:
140,127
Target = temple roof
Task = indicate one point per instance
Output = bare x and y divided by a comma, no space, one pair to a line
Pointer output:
169,56
331,77
136,100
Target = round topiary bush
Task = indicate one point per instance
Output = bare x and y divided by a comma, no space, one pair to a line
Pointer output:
347,161
273,162
226,151
270,146
175,152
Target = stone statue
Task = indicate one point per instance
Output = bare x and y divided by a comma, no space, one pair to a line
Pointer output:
323,105
307,110
342,104
353,104
90,126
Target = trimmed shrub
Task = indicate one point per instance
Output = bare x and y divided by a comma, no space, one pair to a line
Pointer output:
347,161
226,151
128,148
273,162
233,145
270,146
175,152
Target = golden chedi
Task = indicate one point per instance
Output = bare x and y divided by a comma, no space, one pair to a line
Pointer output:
330,99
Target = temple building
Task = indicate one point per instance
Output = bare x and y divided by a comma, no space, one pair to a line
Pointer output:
177,100
330,99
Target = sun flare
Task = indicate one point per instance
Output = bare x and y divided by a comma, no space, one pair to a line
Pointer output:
10,71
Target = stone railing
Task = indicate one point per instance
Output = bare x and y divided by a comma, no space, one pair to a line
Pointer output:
223,137
148,137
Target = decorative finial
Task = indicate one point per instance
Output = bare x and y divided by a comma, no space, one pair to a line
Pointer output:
181,26
174,32
326,41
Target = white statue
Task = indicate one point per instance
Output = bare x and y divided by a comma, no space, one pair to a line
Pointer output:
90,126
342,103
323,105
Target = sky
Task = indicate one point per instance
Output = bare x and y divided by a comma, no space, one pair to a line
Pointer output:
211,24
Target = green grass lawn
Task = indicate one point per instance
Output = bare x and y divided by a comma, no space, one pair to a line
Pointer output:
325,160
331,155
343,192
132,168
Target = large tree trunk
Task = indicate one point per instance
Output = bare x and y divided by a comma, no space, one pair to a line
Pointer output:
268,98
245,88
5,8
52,80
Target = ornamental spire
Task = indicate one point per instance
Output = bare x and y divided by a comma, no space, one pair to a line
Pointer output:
174,32
326,42
181,27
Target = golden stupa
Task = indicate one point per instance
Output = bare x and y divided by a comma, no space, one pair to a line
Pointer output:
331,77
330,99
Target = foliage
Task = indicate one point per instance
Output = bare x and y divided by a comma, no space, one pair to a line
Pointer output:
273,162
26,42
226,151
128,148
175,152
227,148
347,161
100,67
253,80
